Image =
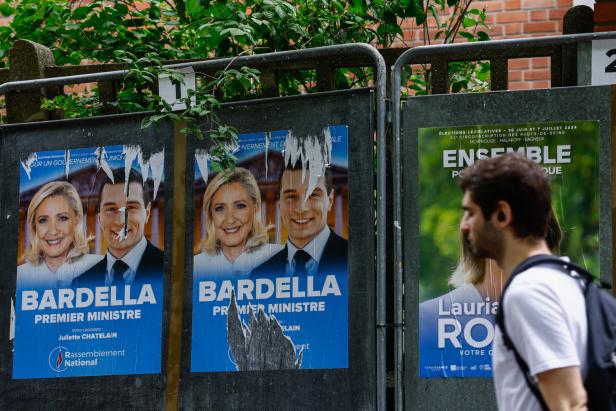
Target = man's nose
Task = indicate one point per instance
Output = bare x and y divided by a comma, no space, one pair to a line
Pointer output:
464,226
119,216
301,205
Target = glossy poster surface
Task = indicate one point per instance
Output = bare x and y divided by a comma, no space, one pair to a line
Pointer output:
458,292
270,283
89,295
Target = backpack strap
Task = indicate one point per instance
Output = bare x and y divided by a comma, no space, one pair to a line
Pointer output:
543,260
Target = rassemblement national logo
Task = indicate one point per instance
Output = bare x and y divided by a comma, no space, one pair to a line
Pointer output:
57,359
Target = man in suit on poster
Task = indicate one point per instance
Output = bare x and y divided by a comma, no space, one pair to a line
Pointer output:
130,258
312,247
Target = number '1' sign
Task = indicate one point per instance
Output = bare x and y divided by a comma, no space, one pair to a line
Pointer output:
173,91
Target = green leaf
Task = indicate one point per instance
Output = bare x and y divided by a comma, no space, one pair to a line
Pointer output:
80,13
390,17
468,22
414,8
435,15
6,10
193,7
467,35
483,36
356,7
233,31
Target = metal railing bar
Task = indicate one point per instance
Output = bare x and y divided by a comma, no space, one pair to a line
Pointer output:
457,49
259,59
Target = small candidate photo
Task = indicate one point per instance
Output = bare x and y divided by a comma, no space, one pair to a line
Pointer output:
57,250
312,247
236,239
124,208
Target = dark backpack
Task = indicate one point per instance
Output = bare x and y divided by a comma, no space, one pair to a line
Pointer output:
600,382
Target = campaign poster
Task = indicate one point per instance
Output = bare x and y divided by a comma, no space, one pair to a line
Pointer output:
459,296
270,277
89,284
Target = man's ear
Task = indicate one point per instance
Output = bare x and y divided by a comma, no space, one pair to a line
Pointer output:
148,209
502,216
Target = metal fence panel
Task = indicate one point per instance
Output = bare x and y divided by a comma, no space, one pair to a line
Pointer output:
575,105
136,385
345,387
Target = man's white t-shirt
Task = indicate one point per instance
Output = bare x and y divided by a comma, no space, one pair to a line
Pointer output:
545,316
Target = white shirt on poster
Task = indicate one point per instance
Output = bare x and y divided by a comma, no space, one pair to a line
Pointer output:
212,266
545,316
31,276
132,259
314,248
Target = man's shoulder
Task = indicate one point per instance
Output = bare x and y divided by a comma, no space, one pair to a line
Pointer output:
336,240
541,279
152,252
335,253
275,265
94,274
152,262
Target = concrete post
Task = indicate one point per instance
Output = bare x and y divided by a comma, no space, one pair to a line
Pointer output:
27,61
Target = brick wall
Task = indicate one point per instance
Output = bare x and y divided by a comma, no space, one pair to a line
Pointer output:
512,19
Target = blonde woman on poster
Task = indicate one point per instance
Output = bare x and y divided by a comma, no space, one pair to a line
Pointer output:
464,317
236,239
57,250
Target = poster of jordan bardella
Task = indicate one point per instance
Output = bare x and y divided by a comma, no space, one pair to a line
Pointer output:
89,294
270,269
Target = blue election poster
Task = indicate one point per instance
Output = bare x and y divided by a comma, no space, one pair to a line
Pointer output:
459,292
89,289
270,277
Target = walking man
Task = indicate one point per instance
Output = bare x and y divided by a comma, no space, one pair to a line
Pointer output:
506,206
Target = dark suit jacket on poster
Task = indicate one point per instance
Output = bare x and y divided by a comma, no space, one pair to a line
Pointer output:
334,259
150,267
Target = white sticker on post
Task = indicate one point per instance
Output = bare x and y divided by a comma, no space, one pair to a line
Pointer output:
603,69
172,91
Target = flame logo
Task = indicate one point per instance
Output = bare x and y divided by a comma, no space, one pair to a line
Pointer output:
56,359
59,360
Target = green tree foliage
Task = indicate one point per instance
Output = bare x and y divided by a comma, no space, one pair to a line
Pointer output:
454,19
79,31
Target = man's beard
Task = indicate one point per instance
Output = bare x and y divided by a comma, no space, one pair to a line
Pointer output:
488,243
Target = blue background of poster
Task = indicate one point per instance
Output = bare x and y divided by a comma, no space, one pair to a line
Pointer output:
323,335
447,360
136,342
